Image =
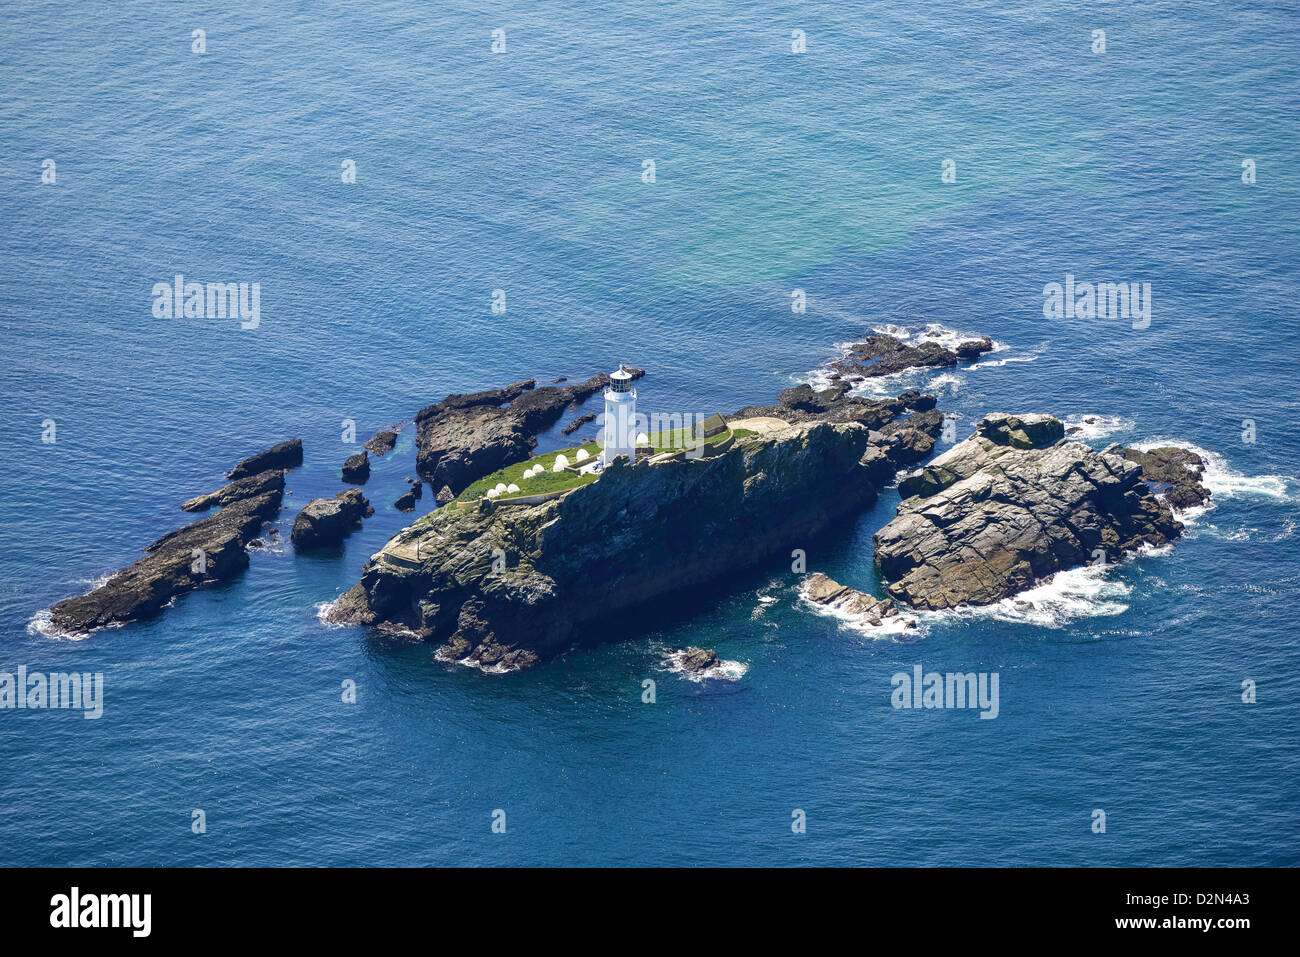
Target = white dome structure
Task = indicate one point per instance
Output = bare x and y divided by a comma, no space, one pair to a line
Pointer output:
561,463
513,487
642,439
581,456
501,486
492,493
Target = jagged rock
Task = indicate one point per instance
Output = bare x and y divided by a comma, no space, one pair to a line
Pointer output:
357,468
578,423
882,355
563,378
445,495
327,521
697,660
1173,473
211,549
1010,506
973,348
406,502
272,480
464,437
821,590
915,401
286,455
383,441
637,534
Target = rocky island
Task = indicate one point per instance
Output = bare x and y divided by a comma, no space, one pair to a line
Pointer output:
505,585
1016,503
209,550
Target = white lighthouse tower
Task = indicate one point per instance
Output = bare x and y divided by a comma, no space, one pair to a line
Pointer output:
620,418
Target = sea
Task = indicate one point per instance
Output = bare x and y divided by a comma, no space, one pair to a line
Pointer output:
440,197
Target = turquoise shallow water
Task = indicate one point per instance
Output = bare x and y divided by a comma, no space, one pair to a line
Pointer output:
522,171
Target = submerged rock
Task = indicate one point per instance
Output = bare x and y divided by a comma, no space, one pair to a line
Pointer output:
507,586
327,521
286,455
1010,506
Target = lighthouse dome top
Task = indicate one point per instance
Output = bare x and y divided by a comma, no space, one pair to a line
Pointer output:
620,380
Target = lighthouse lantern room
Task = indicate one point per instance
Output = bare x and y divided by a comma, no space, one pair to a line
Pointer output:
620,418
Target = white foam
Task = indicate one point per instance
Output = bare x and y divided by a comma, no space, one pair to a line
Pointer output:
722,671
894,626
1096,426
323,610
1084,592
1225,482
42,624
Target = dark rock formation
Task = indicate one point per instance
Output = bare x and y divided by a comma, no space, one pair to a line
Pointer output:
828,593
639,533
578,423
286,455
973,348
406,501
327,521
383,441
211,549
1010,506
445,495
357,468
695,661
1173,473
881,355
272,480
464,437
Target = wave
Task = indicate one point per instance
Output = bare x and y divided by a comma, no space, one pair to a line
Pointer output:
42,624
722,671
1225,482
904,624
1089,427
1084,592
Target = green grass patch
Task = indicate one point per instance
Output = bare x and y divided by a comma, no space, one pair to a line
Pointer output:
548,481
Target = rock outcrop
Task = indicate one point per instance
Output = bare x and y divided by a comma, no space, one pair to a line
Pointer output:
696,661
286,455
357,468
465,437
382,442
327,521
272,480
882,355
578,423
824,591
1009,507
209,550
406,501
1173,472
504,586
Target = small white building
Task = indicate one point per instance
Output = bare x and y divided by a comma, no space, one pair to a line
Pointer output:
620,418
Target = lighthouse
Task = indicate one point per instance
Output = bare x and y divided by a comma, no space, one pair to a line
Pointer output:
620,418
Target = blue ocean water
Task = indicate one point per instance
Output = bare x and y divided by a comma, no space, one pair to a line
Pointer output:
522,171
